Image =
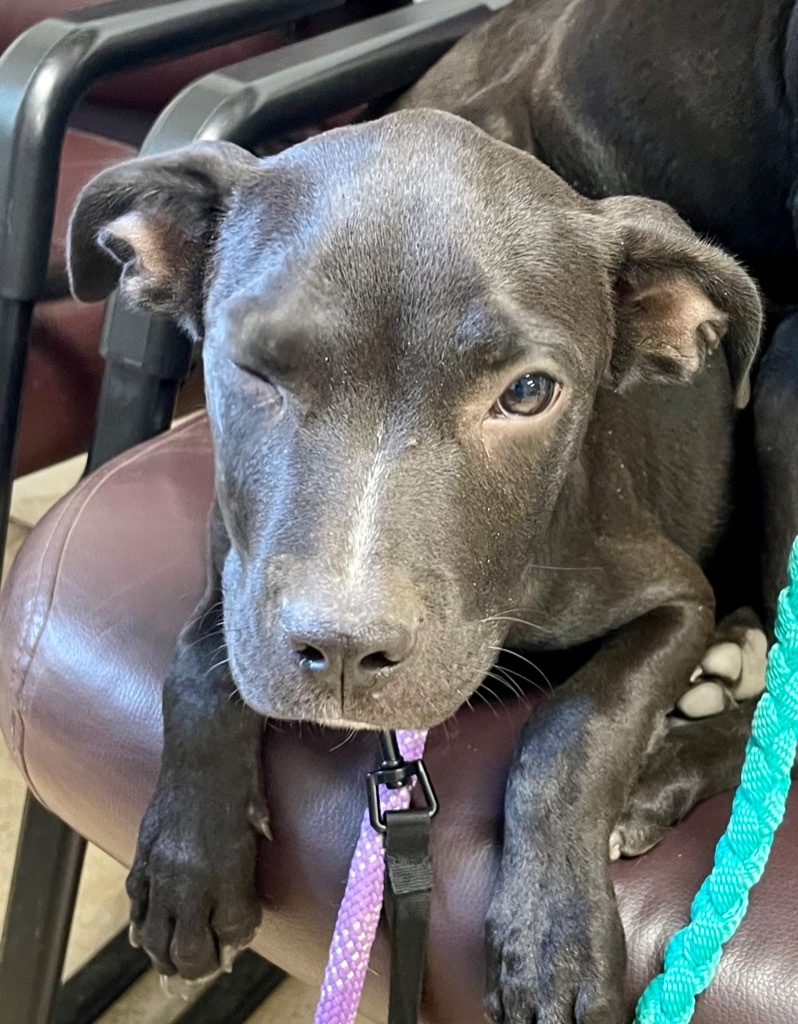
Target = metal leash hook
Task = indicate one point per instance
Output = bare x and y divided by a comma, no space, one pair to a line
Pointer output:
394,772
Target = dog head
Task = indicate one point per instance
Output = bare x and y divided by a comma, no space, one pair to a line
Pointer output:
405,325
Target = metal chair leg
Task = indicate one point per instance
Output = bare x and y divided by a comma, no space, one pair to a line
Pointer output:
100,982
38,917
15,320
233,998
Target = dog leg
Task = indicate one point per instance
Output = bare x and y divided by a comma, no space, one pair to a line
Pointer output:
691,761
192,884
555,942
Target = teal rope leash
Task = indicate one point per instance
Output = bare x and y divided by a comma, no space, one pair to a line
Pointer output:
693,954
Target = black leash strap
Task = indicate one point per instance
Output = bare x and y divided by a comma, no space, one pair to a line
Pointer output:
408,877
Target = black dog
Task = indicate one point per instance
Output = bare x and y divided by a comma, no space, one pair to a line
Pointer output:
434,373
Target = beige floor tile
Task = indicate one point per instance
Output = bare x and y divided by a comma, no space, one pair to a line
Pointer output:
101,909
291,1003
12,796
36,493
16,535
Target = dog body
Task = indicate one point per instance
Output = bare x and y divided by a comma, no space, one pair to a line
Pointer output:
692,105
516,430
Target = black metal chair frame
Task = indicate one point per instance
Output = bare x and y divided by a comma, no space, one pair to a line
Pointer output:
147,358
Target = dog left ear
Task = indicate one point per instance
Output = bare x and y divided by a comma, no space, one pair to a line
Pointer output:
150,224
676,299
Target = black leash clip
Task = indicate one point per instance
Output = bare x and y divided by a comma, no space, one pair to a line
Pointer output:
395,772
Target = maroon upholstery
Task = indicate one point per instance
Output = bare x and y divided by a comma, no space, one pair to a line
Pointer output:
87,626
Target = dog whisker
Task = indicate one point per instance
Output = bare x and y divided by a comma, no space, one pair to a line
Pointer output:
511,684
510,618
493,693
349,736
525,681
201,638
202,615
218,665
485,700
526,661
566,568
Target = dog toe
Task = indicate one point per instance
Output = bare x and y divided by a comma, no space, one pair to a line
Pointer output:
156,939
704,699
724,661
193,949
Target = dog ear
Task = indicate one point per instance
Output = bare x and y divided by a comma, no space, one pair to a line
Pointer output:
676,299
150,224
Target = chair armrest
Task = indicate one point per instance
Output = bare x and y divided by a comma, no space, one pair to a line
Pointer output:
47,69
309,81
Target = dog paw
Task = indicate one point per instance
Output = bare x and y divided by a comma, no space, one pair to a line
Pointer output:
689,762
733,668
192,886
633,837
558,964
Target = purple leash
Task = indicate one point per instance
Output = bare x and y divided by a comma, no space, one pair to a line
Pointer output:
359,913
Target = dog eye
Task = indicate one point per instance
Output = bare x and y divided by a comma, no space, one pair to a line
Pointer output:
530,395
252,372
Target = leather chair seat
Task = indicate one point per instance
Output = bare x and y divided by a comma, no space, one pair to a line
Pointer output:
88,621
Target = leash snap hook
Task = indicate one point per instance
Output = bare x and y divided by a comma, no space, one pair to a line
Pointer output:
394,773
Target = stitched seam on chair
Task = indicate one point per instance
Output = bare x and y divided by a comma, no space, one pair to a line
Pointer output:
32,638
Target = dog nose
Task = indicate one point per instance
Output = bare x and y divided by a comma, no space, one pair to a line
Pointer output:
352,654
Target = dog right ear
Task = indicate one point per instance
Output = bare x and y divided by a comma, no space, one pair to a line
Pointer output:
677,299
149,225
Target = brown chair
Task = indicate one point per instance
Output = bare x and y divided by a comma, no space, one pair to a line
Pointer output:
88,623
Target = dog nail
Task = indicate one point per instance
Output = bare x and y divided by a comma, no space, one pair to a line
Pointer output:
724,661
615,846
703,701
259,820
229,954
755,654
263,826
133,936
697,673
176,987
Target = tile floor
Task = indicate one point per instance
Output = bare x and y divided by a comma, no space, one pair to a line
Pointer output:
102,906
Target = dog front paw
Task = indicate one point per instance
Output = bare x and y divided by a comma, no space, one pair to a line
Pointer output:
555,955
192,885
732,669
